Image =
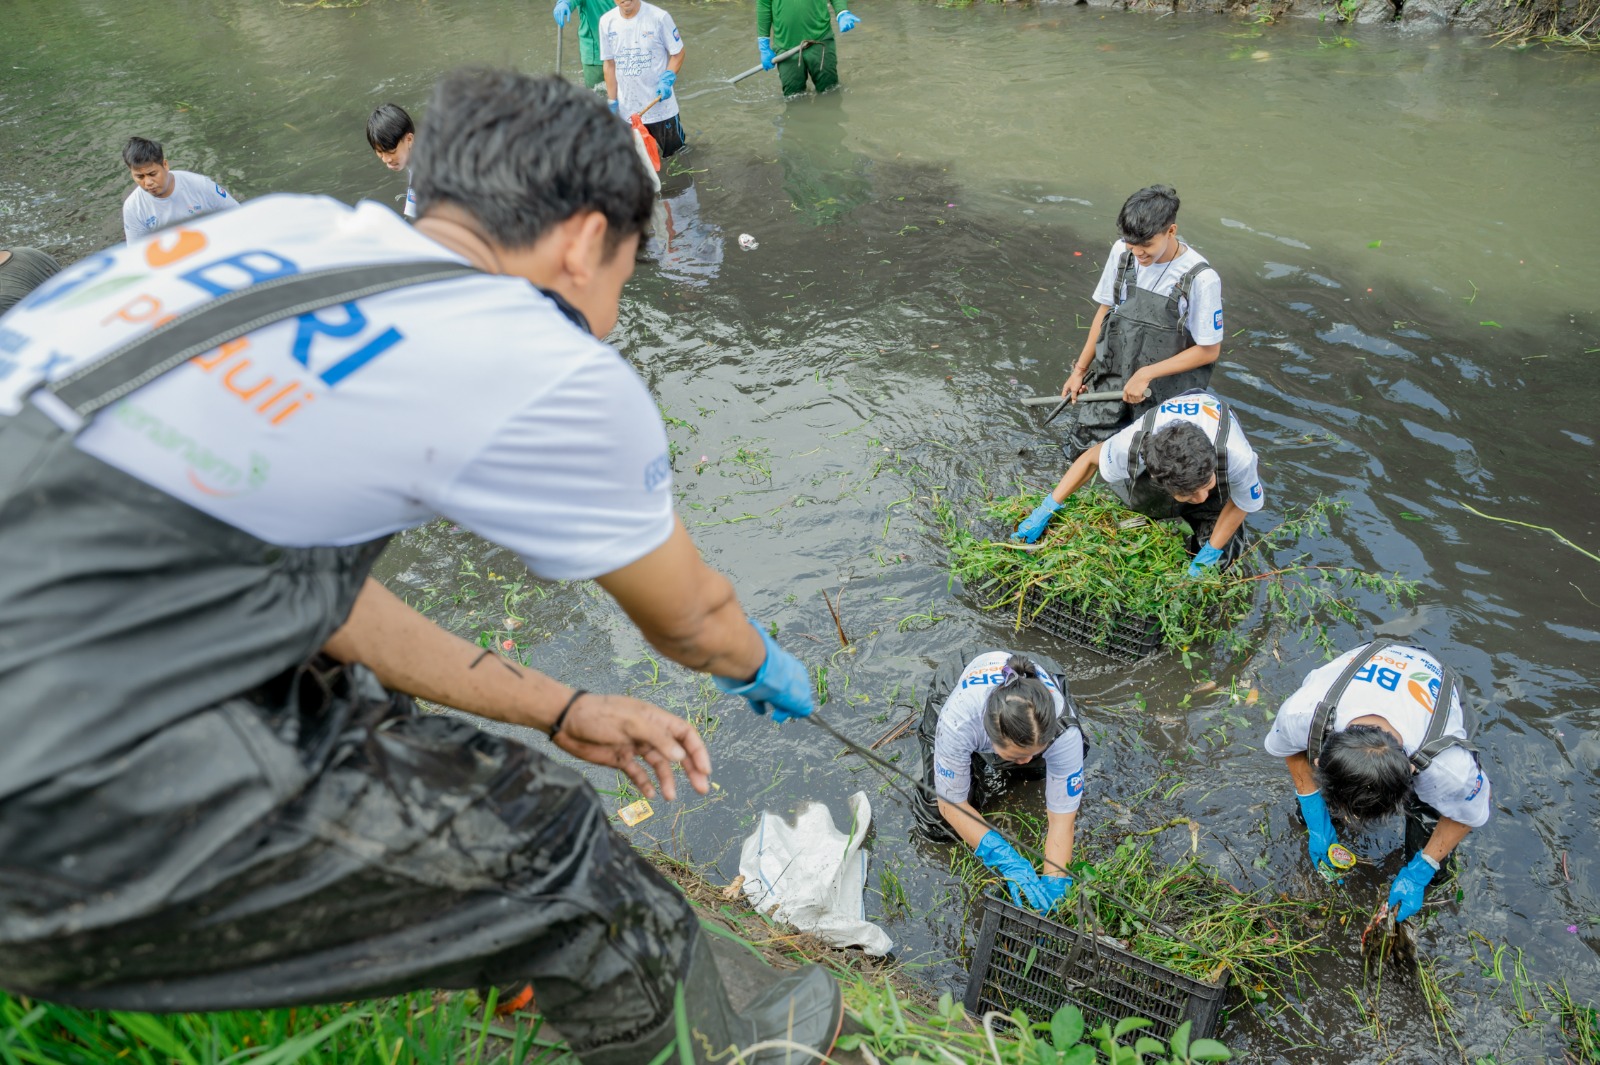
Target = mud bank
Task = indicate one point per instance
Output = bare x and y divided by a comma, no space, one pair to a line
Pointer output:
1515,21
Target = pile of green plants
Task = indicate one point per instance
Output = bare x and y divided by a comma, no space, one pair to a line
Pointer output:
1093,560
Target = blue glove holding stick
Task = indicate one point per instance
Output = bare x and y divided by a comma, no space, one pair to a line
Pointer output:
848,22
1032,526
782,684
664,86
562,12
999,855
1405,896
768,56
1204,559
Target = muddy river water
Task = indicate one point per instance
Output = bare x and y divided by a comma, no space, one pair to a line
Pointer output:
1406,231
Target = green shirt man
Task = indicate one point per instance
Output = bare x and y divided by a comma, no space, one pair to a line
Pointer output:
782,24
589,12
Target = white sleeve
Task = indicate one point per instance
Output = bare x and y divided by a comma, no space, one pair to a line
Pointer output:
1104,292
952,746
605,39
1455,785
132,229
578,483
1244,480
670,35
1205,308
1114,455
1291,730
1063,778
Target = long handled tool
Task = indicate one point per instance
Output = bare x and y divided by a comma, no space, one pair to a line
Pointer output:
561,33
780,57
1061,402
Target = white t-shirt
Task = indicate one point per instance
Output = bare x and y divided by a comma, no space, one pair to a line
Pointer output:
640,46
1400,685
961,735
191,194
1244,483
474,399
1204,308
411,199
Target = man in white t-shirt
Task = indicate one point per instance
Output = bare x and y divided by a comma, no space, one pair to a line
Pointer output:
642,52
1372,717
1159,326
162,195
391,134
1187,458
208,436
1001,713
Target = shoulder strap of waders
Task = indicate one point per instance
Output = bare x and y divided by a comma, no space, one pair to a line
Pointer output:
1322,718
1226,416
1180,292
228,317
1127,278
1069,718
1136,445
1434,741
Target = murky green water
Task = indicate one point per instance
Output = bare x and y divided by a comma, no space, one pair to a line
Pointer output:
917,269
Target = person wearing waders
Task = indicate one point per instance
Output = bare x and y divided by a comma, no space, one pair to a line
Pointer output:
1364,737
1187,459
782,24
992,717
216,791
1159,326
589,12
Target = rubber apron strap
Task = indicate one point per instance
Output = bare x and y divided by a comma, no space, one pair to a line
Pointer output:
1147,423
73,400
1180,293
1434,741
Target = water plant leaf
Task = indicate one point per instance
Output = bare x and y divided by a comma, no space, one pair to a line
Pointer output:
1209,1050
1066,1027
1129,1024
1374,243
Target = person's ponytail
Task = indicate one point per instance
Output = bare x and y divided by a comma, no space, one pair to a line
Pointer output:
1020,711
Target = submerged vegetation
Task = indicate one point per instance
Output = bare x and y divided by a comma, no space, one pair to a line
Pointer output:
1096,561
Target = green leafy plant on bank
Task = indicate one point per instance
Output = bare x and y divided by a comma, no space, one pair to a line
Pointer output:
1091,561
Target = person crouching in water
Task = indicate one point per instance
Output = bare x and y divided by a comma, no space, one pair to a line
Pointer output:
1186,459
1002,715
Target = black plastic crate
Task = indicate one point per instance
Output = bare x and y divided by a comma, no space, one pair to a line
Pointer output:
1128,637
1036,964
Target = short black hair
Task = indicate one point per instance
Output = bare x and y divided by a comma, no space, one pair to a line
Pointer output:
1179,457
387,127
522,154
1363,773
1147,213
142,152
1020,711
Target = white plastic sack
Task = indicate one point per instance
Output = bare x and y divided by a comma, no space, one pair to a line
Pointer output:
813,876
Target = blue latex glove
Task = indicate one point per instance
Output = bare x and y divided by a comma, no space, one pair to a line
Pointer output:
767,54
848,22
561,13
998,855
1405,897
1032,526
664,86
616,107
1320,835
781,685
1204,559
1055,889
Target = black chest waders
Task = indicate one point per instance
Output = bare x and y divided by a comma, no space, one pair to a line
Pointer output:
1142,494
1420,817
199,812
1141,330
989,770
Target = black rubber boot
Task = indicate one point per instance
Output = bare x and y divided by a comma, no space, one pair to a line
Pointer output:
802,1007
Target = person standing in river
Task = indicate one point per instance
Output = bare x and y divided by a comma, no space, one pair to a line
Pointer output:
1159,326
643,52
589,13
161,195
1364,738
782,24
391,134
209,436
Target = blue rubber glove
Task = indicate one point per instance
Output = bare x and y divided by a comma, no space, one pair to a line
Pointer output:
1032,526
848,22
561,13
767,54
1055,889
781,685
1320,835
998,855
616,107
664,86
1204,559
1405,897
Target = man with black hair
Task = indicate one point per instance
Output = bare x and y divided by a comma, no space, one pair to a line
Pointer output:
161,195
1159,326
1186,458
209,437
391,135
1364,737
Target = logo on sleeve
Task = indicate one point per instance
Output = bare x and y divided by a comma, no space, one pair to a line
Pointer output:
944,771
675,34
224,194
1216,319
1476,787
1075,783
1255,490
658,472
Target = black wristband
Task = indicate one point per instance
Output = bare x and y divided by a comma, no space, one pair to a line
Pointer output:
562,717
